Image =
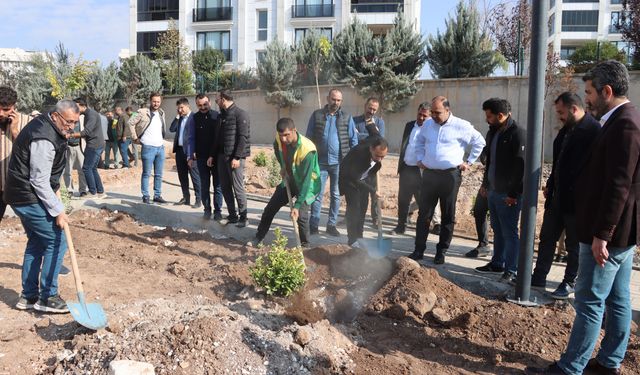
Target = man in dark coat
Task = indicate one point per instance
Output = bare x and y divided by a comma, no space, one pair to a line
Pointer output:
569,152
608,228
357,172
180,126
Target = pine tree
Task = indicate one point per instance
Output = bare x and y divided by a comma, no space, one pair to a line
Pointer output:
141,77
313,53
174,59
102,86
385,67
277,76
207,65
462,50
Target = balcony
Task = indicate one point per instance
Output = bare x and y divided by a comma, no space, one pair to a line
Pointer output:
374,7
306,11
212,14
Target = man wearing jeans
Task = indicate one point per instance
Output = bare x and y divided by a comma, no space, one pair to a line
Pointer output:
334,134
93,135
36,165
123,136
147,128
502,185
608,229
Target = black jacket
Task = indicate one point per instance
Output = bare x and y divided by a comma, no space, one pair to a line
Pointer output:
92,132
206,128
357,161
567,166
234,140
509,159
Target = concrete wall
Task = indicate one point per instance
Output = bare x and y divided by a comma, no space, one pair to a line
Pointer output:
466,97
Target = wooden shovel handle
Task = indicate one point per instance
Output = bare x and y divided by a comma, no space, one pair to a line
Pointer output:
74,262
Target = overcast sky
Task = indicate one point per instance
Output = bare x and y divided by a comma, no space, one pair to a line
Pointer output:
99,29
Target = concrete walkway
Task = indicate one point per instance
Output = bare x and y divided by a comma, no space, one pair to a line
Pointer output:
457,269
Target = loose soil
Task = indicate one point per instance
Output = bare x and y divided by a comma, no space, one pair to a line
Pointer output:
185,303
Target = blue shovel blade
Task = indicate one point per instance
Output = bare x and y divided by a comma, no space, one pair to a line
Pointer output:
90,315
377,248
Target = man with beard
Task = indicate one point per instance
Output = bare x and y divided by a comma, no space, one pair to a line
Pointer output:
333,132
577,134
608,229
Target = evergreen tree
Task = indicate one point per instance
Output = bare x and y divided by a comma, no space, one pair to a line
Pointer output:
207,65
32,85
313,53
174,59
277,76
141,77
463,50
629,23
385,67
592,52
101,87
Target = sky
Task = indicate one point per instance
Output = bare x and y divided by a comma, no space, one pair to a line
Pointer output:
99,29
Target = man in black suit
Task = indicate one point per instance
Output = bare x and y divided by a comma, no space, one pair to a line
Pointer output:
408,170
358,172
577,134
180,126
608,228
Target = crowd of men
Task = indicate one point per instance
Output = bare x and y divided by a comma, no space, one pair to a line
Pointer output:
590,194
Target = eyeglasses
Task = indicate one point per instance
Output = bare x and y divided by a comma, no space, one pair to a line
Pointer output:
68,122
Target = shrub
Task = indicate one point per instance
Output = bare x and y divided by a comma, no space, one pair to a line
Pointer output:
65,197
280,272
274,172
260,159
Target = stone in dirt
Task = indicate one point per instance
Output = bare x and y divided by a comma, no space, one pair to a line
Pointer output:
126,367
440,315
43,323
423,304
303,336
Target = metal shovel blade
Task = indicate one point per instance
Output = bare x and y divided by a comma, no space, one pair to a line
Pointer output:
90,315
376,248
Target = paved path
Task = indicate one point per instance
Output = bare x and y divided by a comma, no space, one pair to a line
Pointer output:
458,268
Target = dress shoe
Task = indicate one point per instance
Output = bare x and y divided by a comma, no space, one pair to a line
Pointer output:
436,229
552,369
314,230
197,204
439,258
183,201
397,230
594,367
159,200
333,231
478,252
416,255
217,216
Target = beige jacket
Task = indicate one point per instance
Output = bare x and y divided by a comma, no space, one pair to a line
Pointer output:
139,123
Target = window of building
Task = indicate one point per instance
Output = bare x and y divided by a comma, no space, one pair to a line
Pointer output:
615,18
260,55
580,1
212,10
146,41
580,20
300,33
616,1
213,3
262,24
158,10
566,52
313,8
552,24
220,40
552,3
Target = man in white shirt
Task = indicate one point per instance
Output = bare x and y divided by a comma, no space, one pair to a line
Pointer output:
440,148
147,128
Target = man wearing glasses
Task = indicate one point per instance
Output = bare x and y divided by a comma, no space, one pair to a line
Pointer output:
36,165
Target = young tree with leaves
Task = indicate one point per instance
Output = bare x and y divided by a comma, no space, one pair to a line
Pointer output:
463,50
174,59
511,31
314,52
277,76
629,23
592,52
207,65
140,77
102,85
67,75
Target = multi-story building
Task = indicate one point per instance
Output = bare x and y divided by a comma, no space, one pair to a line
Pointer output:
574,22
241,29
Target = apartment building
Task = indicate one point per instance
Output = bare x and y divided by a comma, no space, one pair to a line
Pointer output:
574,22
241,29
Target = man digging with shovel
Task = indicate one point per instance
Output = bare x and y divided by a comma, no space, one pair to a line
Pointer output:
300,173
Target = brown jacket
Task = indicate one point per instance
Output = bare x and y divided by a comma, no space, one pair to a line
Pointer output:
6,145
608,188
138,124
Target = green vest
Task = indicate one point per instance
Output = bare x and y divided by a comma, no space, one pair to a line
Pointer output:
304,147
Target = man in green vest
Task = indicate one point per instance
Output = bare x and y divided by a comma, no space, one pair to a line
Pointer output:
298,160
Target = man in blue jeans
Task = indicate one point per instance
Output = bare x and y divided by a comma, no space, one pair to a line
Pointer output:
502,185
94,138
35,168
147,128
333,132
608,229
123,136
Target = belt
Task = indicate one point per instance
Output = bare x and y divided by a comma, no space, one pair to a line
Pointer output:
442,170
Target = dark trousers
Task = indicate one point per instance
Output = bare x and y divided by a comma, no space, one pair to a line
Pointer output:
208,177
356,212
554,222
410,181
3,206
480,210
278,200
374,203
437,185
183,175
232,183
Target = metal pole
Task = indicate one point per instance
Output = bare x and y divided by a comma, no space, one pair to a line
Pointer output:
518,71
532,165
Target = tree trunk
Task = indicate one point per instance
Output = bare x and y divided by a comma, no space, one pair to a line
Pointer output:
317,73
